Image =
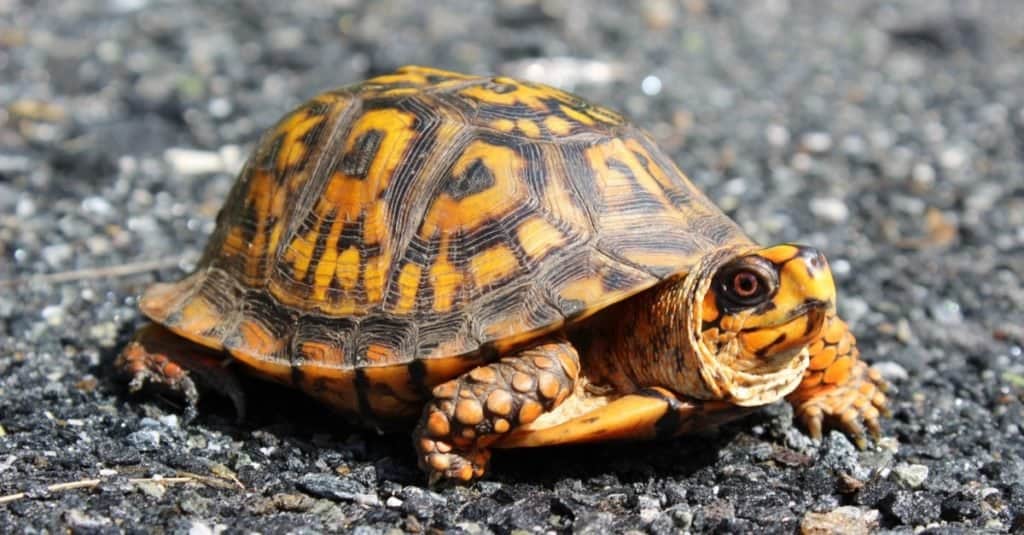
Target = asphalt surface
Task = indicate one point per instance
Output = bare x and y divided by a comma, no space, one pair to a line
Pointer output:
890,135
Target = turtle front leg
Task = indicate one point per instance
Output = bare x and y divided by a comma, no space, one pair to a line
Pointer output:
470,412
838,389
156,356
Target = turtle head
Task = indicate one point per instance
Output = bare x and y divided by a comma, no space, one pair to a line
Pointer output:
757,316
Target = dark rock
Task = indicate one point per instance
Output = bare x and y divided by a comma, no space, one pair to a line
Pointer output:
912,508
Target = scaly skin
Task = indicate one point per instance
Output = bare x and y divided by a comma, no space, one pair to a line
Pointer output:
839,390
470,412
159,357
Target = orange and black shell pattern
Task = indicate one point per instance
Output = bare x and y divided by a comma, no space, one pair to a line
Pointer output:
387,236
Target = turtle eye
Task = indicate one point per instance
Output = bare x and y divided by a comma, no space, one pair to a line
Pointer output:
745,286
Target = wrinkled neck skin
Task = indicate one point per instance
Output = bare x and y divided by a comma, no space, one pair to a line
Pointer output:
655,339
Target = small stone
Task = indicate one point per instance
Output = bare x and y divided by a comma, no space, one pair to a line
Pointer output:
947,312
891,371
817,142
953,158
53,315
593,524
334,488
145,439
152,489
97,205
394,501
840,455
913,508
777,135
57,255
194,162
829,209
76,518
847,520
911,475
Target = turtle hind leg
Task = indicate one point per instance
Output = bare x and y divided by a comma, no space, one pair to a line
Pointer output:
470,412
160,358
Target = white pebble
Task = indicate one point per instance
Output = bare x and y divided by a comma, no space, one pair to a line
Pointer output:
891,371
912,475
817,142
651,85
194,162
777,135
830,209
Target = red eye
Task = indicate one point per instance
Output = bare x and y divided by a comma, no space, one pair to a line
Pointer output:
745,284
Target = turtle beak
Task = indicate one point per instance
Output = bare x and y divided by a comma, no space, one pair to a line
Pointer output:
810,272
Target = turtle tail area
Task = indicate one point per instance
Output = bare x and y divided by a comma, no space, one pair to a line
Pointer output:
197,307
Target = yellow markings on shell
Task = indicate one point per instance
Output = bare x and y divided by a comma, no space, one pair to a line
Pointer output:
408,287
257,351
448,215
324,355
576,115
300,253
493,265
587,290
531,97
446,279
615,184
373,279
528,128
346,268
559,200
328,264
197,316
557,125
658,172
504,125
261,196
604,115
293,150
378,353
537,236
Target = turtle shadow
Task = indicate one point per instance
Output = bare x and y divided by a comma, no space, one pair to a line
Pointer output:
284,415
620,461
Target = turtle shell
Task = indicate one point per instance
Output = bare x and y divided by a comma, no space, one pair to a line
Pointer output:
387,236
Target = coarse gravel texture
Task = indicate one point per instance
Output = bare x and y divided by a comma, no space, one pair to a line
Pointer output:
891,135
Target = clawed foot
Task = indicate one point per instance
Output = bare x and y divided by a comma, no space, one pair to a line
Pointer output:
849,407
443,463
157,357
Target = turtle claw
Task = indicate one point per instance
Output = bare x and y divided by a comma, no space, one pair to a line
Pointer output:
853,407
444,465
178,368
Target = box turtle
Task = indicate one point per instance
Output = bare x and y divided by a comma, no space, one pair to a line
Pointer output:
497,263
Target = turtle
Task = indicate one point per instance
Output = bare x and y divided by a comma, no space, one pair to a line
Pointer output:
497,263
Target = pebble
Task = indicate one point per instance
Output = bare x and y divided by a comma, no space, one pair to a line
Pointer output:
829,209
145,439
337,488
847,520
891,371
190,162
911,475
57,255
817,142
947,312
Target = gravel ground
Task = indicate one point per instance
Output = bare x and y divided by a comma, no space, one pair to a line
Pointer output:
891,135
